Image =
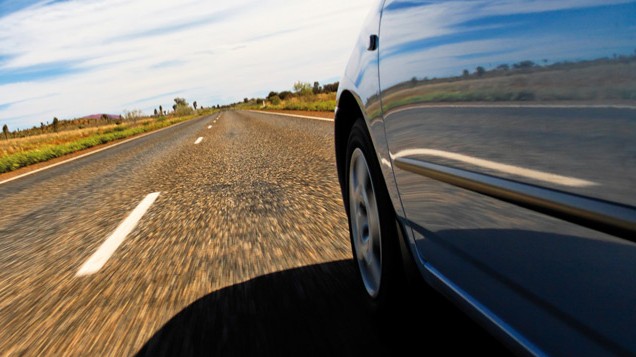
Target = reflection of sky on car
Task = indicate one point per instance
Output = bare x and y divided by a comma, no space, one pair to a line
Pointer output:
454,35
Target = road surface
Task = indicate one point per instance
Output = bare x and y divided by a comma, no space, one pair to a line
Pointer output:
222,235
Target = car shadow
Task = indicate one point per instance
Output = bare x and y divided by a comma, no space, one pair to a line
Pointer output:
315,310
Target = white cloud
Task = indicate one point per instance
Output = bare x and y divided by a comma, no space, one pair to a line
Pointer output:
121,54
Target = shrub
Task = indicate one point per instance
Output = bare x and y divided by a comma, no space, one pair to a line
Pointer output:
525,95
183,111
303,88
284,95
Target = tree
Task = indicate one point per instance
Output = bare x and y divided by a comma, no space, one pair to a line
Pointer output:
245,100
524,64
480,71
5,131
465,73
132,114
174,107
302,88
194,104
332,87
284,95
155,111
160,110
42,127
181,107
316,88
56,124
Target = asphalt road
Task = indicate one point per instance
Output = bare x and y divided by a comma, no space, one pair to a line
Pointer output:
244,251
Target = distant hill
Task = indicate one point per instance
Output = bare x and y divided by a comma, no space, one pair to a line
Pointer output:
99,116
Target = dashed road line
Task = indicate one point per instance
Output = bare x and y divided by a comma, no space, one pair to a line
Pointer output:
199,140
209,126
106,250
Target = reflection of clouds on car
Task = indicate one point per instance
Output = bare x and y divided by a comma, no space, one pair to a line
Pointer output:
488,147
456,35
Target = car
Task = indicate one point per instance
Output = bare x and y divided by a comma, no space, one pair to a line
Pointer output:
492,146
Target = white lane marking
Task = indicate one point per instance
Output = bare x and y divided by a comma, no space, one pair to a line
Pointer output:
209,126
290,115
199,140
90,153
510,169
106,250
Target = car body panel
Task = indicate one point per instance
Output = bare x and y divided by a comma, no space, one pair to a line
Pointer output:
361,81
536,96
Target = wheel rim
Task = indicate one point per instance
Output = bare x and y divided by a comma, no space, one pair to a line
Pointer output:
365,223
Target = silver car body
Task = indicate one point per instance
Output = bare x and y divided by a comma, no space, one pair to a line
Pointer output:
506,135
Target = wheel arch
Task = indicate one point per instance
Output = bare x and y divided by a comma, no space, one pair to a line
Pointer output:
346,115
348,111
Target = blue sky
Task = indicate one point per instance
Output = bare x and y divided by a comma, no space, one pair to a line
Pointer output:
73,58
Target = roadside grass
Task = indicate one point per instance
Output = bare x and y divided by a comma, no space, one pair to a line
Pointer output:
16,145
21,152
323,102
599,83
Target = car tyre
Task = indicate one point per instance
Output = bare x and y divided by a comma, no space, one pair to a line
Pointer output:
372,223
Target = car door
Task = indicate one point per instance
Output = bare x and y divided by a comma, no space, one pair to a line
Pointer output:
511,127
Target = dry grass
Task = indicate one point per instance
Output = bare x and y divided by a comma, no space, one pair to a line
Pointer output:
17,145
17,153
322,102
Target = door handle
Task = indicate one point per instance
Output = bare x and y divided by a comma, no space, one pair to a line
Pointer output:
373,43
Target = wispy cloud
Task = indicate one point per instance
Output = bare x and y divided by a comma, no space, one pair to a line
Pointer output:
81,57
458,36
38,72
152,98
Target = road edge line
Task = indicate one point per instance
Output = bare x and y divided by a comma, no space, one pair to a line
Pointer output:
290,115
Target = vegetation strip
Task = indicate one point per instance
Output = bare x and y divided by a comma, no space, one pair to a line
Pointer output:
75,157
21,159
304,97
